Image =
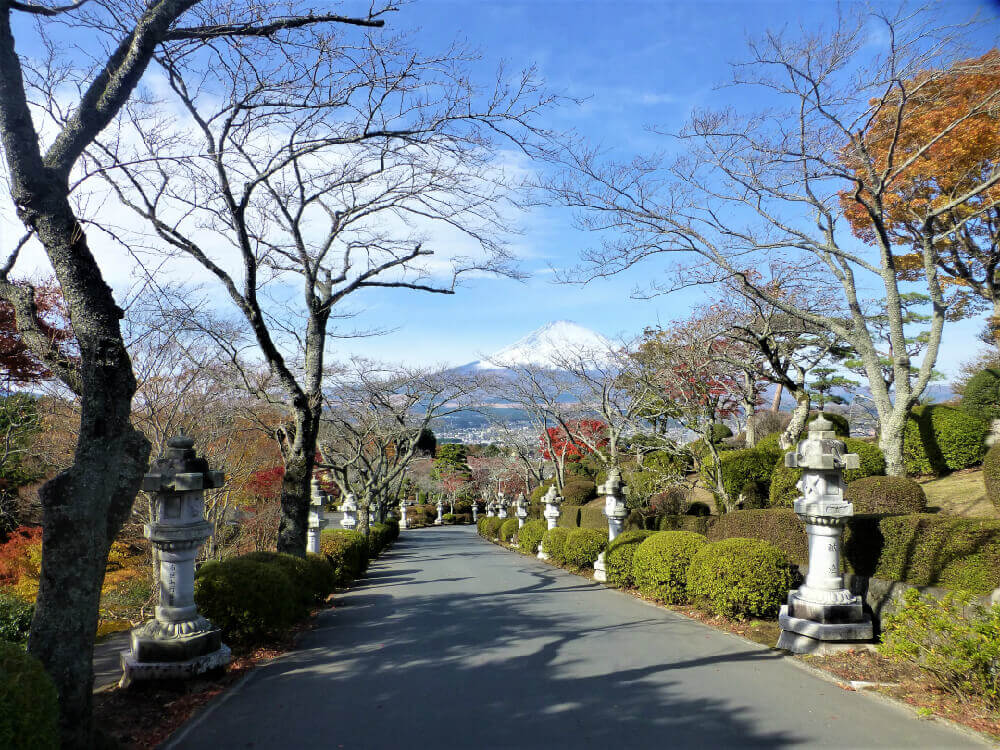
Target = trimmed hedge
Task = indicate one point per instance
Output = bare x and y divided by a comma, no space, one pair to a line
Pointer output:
886,495
928,550
29,706
554,544
783,490
250,601
740,578
346,551
620,555
661,562
508,529
697,524
380,536
981,395
583,546
939,439
490,528
579,491
991,475
530,536
738,467
779,526
590,516
299,573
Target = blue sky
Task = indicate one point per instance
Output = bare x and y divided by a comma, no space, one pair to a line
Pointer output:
637,64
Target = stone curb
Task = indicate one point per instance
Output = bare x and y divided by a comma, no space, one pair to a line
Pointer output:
829,677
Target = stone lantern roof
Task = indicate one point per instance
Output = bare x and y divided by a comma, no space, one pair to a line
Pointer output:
180,469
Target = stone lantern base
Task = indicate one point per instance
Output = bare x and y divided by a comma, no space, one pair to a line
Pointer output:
160,655
600,569
824,628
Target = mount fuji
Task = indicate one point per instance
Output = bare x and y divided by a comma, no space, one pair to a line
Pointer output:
545,347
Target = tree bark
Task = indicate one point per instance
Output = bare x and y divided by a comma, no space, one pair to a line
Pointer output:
800,415
296,487
776,400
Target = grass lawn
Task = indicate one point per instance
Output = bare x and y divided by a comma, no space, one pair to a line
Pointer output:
960,494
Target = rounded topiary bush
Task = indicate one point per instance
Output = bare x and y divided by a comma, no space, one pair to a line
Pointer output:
660,565
579,491
583,546
738,467
250,601
297,570
740,578
346,551
322,580
783,491
719,432
886,495
554,544
620,555
991,475
938,439
491,528
29,707
981,396
508,530
379,537
530,536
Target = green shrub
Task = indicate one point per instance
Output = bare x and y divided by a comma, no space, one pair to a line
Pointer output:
579,491
346,551
741,466
928,550
491,528
698,524
393,526
15,617
939,438
29,707
250,601
321,577
740,578
779,526
530,536
583,546
379,537
297,570
719,432
886,495
991,475
448,518
554,544
539,492
956,644
508,530
620,555
783,490
661,564
981,396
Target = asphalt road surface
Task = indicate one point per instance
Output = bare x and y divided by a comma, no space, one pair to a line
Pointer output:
451,642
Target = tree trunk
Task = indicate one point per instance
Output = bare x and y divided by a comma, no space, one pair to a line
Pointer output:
800,415
296,488
750,407
890,441
364,517
776,400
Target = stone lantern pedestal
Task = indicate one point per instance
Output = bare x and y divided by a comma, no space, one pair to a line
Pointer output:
614,511
475,510
350,510
502,505
521,510
402,515
440,508
822,616
490,509
177,643
317,520
550,514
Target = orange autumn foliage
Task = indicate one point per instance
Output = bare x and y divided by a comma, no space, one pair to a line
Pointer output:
948,123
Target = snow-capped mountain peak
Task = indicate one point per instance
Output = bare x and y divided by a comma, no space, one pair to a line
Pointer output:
546,346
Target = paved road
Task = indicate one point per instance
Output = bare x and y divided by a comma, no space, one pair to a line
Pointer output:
451,642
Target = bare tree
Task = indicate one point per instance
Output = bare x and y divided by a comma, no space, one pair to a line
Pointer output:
335,167
771,187
373,425
84,506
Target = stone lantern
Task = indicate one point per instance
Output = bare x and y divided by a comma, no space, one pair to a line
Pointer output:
822,616
177,642
614,511
490,509
440,507
317,520
502,504
402,514
551,513
520,510
350,510
475,510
